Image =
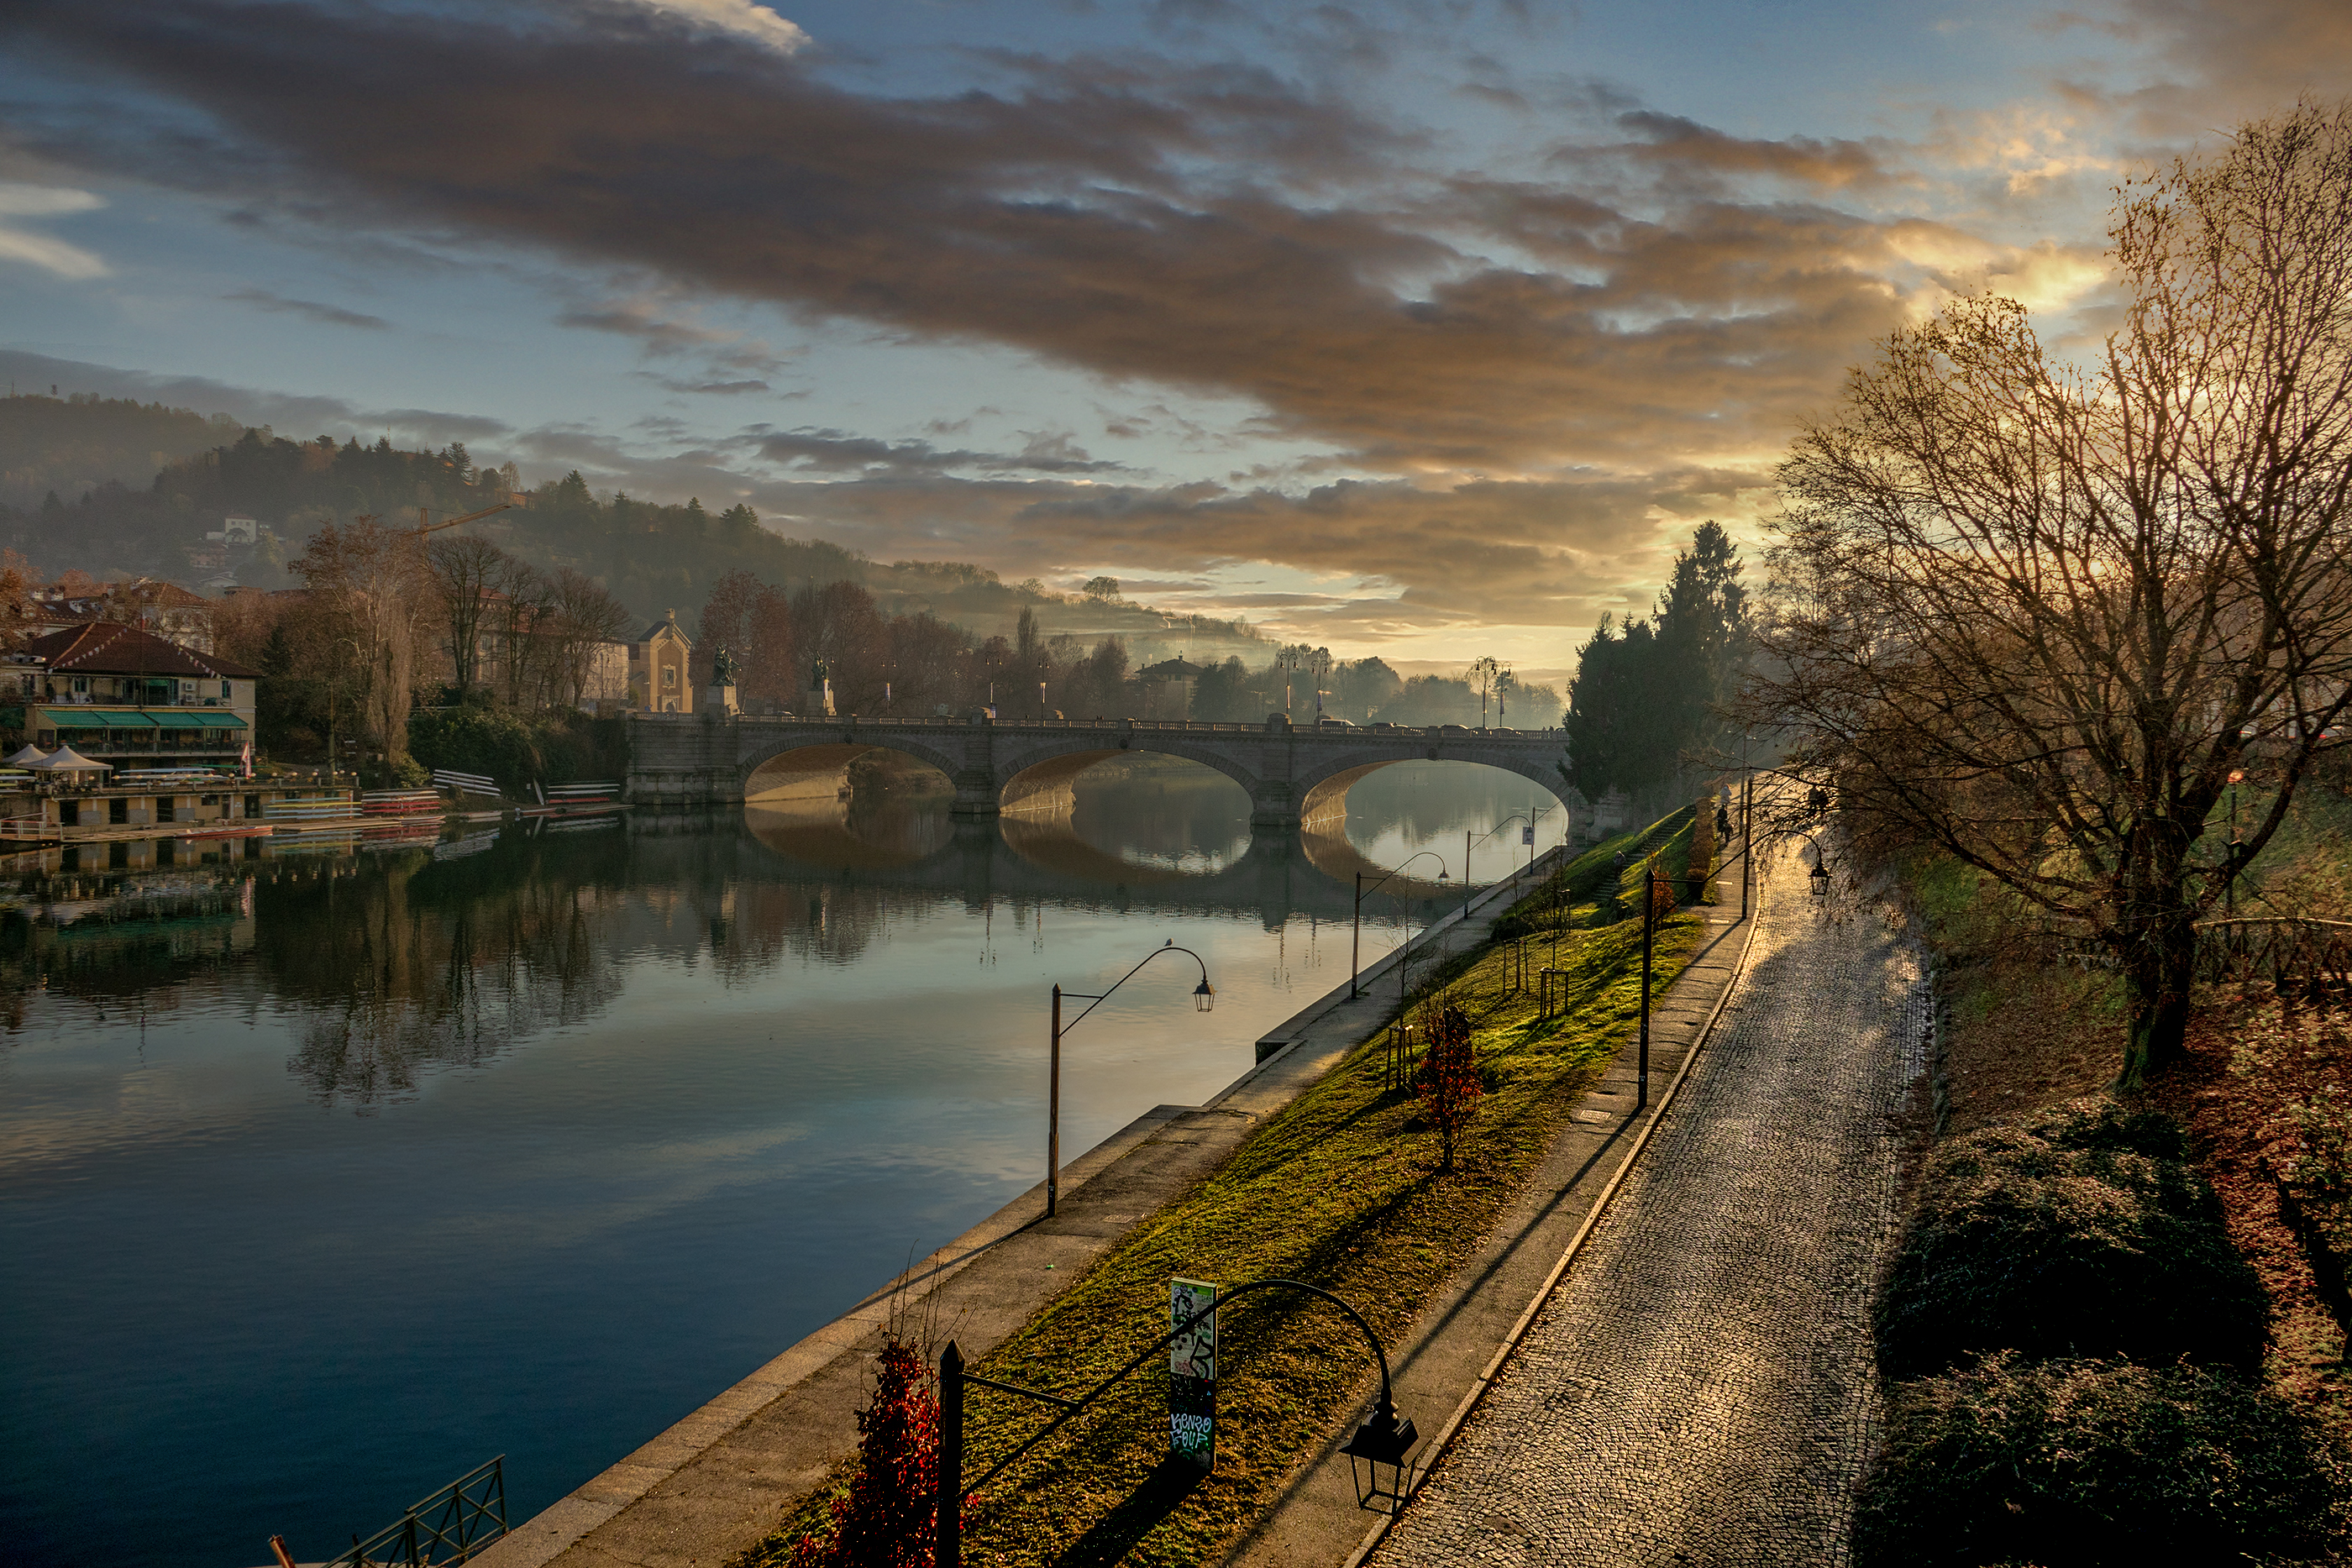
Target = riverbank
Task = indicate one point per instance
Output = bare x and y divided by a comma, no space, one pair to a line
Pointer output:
711,1487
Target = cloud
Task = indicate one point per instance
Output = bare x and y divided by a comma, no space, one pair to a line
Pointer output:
836,452
1692,148
713,388
43,251
331,315
739,19
291,415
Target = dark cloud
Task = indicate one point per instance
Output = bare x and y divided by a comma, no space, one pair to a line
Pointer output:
837,452
331,315
1668,139
712,387
1222,229
288,414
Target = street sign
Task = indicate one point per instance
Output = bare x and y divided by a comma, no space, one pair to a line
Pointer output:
1527,833
1192,1372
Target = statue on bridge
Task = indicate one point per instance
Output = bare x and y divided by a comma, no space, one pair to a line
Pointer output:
722,667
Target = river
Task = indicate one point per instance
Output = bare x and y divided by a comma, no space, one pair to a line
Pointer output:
326,1177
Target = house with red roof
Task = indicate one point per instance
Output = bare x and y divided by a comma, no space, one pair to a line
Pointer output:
119,695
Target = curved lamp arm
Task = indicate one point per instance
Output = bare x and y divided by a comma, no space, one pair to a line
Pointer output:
1093,1001
1407,861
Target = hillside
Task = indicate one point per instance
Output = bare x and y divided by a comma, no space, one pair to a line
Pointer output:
155,480
74,445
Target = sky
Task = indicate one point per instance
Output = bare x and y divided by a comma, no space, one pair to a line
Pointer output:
1427,328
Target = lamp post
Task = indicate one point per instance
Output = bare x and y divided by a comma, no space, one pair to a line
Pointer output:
1204,996
1466,843
1355,936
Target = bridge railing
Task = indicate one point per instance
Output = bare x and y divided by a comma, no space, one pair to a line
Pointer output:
1155,726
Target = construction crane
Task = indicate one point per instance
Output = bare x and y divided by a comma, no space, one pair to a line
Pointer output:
425,525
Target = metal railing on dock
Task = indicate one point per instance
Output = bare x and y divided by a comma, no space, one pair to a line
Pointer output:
449,1527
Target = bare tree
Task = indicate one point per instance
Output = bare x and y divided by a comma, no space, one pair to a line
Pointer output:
371,581
467,572
2037,616
585,617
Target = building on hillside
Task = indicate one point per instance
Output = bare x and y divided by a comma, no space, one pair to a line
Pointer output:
121,695
1165,689
659,661
165,609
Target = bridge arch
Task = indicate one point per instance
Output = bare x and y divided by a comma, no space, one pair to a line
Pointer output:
832,751
1323,787
1030,771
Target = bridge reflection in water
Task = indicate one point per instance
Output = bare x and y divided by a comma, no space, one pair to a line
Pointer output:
1170,837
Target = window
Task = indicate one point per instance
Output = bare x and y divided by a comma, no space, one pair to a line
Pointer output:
225,693
118,810
165,806
81,685
669,675
70,813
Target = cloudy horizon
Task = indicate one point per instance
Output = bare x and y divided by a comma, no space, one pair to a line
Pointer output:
1404,328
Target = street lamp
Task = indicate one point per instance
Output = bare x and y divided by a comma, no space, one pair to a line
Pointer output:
1204,997
1356,938
1376,1458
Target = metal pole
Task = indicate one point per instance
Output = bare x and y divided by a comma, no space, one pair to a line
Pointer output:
1465,876
1747,838
1054,1111
1649,927
1356,938
947,1540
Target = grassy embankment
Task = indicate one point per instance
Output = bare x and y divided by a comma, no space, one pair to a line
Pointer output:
2108,1343
1340,1189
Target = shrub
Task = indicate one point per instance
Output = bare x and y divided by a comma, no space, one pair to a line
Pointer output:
559,747
885,1517
2065,1238
1449,1082
2078,1463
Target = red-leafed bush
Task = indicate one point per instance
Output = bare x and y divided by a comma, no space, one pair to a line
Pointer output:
1448,1081
884,1519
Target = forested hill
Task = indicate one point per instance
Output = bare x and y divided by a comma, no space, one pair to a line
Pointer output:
73,445
653,557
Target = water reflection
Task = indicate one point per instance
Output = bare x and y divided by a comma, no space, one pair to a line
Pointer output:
697,1083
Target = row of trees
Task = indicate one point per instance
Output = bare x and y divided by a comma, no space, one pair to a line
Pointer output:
386,615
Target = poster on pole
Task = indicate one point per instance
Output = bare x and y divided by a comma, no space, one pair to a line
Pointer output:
1192,1372
1527,833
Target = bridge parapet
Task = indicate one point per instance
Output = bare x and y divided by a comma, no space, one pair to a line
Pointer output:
706,759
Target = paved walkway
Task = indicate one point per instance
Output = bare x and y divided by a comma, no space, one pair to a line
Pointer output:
1700,1389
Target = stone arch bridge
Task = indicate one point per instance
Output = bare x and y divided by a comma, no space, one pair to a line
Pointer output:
1292,775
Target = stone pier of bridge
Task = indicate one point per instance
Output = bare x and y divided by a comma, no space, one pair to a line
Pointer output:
706,761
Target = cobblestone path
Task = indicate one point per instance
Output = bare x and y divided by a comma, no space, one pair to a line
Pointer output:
1700,1388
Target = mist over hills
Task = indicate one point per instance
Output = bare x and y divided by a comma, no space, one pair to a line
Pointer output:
117,487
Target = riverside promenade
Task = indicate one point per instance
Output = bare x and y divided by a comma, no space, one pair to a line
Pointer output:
1699,1388
715,1482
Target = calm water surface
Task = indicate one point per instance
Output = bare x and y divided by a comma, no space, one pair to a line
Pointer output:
325,1177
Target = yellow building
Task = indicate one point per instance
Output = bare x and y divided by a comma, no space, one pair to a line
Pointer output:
660,664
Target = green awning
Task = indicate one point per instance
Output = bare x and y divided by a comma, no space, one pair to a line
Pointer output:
196,719
98,719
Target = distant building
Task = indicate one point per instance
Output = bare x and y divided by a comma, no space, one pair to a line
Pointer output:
1166,688
236,532
658,665
608,676
165,609
118,695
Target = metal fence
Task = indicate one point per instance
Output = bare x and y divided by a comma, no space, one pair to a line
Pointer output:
448,1527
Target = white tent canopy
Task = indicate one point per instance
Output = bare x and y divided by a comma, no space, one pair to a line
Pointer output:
66,760
25,758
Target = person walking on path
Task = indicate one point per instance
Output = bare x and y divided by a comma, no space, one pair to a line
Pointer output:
1700,1388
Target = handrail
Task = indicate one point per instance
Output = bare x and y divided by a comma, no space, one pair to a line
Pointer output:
1162,1343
